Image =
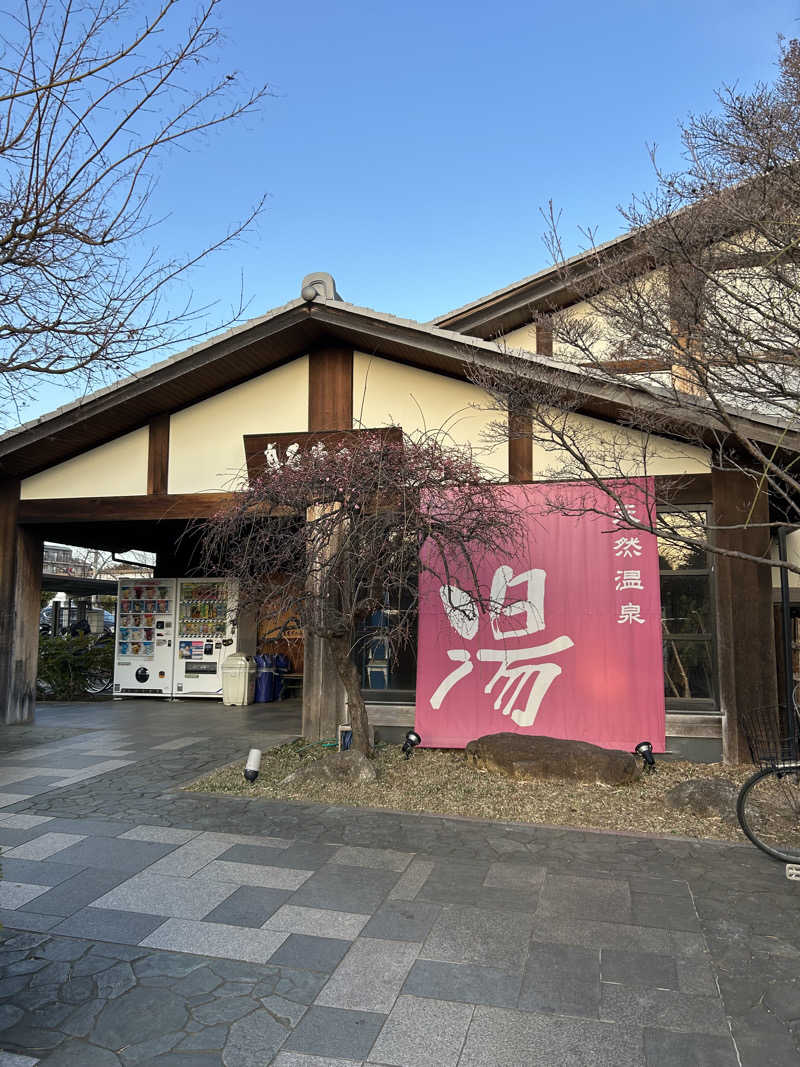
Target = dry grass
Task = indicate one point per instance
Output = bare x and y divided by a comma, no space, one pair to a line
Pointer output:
442,782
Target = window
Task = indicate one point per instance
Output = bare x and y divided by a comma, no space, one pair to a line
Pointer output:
687,619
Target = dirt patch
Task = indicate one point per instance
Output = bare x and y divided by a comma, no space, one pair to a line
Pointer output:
442,782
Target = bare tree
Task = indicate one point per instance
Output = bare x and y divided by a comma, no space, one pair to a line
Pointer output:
93,97
698,307
330,534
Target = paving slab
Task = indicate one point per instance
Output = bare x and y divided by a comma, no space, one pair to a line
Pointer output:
573,947
336,1033
498,1037
248,905
434,1038
215,939
370,976
159,894
471,983
320,922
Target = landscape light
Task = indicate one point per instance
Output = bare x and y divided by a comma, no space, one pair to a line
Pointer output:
253,765
410,743
645,750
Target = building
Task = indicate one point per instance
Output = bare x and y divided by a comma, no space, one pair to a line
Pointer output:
131,465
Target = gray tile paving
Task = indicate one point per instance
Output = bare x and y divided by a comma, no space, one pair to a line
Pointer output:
320,922
434,1039
15,894
311,953
346,888
252,874
75,893
370,976
332,1032
412,880
567,947
159,894
385,859
163,835
215,939
249,905
498,1037
639,969
467,982
111,854
663,1008
473,935
101,924
44,846
399,920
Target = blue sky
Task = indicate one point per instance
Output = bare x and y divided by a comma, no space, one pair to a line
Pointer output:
410,147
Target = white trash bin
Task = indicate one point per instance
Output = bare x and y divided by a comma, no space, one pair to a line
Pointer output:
238,679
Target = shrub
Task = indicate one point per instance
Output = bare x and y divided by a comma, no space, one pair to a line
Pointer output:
67,663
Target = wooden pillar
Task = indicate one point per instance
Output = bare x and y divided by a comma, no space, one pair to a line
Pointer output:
745,634
520,448
20,602
330,407
158,456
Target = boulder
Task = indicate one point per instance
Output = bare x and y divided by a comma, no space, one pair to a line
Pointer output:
705,797
526,756
350,766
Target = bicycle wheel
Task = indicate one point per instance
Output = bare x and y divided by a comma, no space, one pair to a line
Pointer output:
768,809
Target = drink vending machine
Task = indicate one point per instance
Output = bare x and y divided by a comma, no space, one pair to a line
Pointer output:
173,635
205,635
145,640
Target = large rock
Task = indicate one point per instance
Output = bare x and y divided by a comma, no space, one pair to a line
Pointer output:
705,797
349,766
524,756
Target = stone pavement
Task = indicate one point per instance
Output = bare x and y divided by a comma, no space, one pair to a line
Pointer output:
146,925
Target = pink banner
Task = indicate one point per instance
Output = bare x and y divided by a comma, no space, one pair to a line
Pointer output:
570,645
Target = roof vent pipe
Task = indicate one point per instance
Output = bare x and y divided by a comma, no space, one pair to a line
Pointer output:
318,286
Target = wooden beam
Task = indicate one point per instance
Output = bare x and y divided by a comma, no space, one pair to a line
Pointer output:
683,489
520,448
158,456
747,670
106,508
544,340
330,389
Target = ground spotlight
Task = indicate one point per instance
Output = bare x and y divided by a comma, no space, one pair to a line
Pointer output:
410,743
253,765
645,750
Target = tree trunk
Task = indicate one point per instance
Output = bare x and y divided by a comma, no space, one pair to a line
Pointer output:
359,723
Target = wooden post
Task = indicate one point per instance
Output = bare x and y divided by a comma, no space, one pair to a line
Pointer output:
330,407
745,635
20,586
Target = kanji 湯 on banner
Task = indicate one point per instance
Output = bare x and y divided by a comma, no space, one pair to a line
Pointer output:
568,641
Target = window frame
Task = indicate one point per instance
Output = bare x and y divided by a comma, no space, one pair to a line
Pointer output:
695,705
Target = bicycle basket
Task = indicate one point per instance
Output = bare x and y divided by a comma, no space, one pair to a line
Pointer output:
772,733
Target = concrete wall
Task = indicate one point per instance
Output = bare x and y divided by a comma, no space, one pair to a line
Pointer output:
387,393
118,468
206,451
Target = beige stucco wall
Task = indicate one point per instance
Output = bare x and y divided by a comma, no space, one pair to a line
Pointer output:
388,393
792,555
118,468
206,451
603,337
614,451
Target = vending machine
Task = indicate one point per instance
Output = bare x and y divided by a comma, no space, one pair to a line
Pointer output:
206,633
144,654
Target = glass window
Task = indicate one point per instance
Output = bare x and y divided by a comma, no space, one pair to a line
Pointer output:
687,618
688,670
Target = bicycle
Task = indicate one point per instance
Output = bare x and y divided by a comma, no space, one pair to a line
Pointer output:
768,805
